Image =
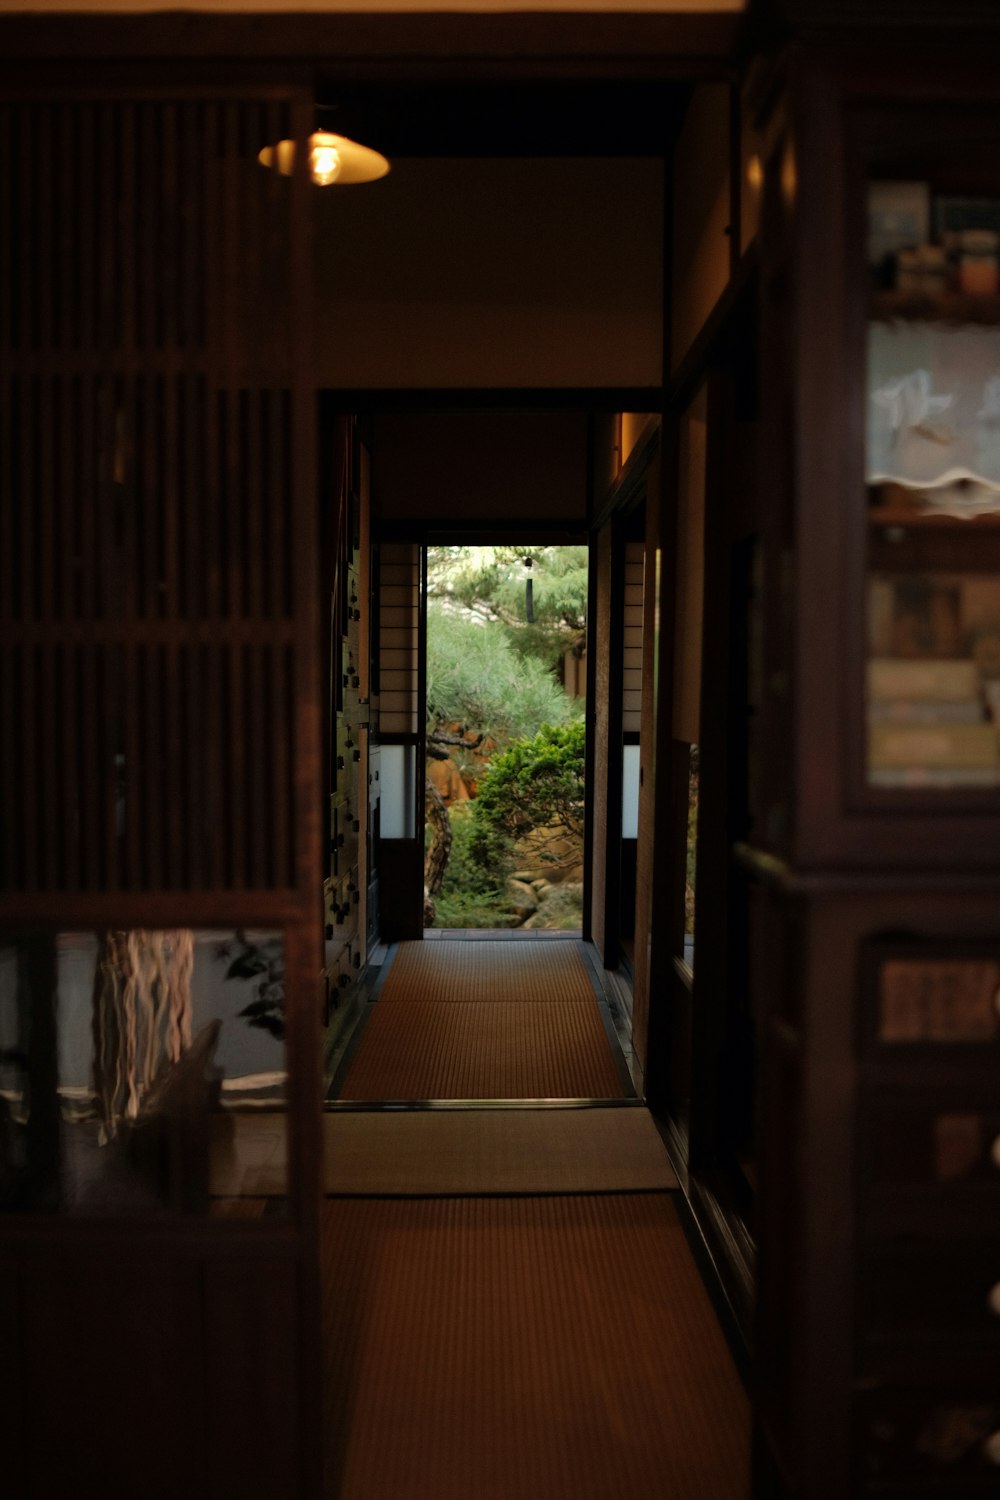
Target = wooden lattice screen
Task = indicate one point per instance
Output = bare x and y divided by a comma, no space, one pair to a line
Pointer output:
157,503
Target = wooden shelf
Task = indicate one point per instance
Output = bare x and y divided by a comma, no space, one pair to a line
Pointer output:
919,307
899,515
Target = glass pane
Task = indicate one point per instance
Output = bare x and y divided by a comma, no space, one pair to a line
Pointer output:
142,1072
933,474
630,791
398,763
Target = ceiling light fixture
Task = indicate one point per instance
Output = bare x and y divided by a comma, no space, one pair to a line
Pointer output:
332,159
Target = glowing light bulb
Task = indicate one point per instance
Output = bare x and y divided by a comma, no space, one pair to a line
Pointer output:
324,158
332,158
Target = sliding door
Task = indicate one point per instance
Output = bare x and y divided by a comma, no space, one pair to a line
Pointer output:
159,797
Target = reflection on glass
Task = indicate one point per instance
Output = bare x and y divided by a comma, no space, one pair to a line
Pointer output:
141,1071
933,678
932,466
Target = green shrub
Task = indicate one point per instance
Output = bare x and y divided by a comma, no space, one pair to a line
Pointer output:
470,896
477,679
537,783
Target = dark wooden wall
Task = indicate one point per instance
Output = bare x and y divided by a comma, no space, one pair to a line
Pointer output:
471,468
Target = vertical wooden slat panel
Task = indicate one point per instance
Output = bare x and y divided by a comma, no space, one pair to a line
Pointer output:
32,175
88,742
87,295
66,331
9,796
130,242
231,351
147,500
268,779
256,822
140,190
100,560
154,819
47,751
214,283
69,483
219,870
46,261
22,290
213,722
191,496
47,504
253,524
174,437
26,500
239,808
171,220
272,470
8,498
254,520
8,792
28,723
152,485
19,817
282,765
193,571
229,342
215,819
118,733
14,294
88,498
211,218
90,801
7,217
233,522
66,457
73,718
189,171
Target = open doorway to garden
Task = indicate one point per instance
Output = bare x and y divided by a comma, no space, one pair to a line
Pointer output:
505,736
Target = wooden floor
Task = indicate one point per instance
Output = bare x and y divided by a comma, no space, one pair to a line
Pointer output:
427,1153
507,1346
485,1020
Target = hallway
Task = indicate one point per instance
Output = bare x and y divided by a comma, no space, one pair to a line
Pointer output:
488,1339
485,1017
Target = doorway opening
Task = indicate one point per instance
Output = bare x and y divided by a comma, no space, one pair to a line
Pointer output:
505,736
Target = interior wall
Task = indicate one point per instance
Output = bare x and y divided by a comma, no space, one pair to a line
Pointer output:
481,466
493,273
701,218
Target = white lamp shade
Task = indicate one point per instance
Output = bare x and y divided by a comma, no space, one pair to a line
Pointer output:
335,160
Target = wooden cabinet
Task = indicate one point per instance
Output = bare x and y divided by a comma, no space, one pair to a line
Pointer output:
876,858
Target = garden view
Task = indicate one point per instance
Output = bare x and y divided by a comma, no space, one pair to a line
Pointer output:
506,638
